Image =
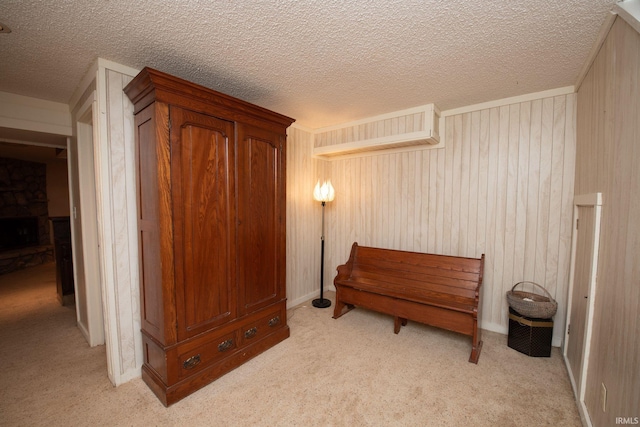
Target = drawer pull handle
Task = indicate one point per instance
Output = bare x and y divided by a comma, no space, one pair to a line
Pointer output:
273,322
250,333
191,362
225,345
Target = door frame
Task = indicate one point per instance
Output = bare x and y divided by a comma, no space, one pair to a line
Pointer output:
584,200
87,139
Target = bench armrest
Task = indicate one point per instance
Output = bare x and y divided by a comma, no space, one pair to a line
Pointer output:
344,270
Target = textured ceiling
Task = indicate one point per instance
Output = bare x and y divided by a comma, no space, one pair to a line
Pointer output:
320,62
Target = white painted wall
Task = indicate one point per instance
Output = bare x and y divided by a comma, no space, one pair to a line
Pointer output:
32,114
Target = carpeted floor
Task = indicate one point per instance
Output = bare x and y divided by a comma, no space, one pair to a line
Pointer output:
347,372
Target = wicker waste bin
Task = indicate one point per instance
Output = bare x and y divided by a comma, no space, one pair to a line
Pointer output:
531,336
532,304
530,323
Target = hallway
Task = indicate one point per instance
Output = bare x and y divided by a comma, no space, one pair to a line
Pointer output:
42,350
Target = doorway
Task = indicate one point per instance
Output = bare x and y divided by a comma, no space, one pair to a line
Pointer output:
85,226
72,196
582,291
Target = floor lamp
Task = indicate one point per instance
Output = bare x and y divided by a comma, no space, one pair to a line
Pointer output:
323,193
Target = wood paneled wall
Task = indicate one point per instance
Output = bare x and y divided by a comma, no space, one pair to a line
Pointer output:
503,186
304,217
608,159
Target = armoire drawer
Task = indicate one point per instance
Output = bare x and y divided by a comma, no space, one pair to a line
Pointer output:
257,329
193,357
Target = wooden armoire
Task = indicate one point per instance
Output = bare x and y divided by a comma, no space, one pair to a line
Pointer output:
211,228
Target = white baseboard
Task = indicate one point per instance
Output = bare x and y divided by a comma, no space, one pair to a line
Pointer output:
310,295
302,299
84,331
494,327
582,407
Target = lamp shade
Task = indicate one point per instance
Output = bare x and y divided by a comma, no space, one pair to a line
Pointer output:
324,192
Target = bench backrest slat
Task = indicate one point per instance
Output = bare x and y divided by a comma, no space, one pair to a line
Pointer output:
437,275
417,282
416,273
441,262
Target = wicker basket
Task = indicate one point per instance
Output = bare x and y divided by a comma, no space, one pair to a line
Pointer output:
535,305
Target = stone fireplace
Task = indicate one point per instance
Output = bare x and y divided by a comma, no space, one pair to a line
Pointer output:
24,223
17,233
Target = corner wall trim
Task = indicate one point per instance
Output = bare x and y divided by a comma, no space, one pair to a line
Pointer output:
508,101
600,38
629,10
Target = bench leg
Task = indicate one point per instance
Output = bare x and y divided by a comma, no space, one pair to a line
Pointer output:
475,353
341,308
398,322
476,344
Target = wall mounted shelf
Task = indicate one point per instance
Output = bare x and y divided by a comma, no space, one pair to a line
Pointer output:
413,128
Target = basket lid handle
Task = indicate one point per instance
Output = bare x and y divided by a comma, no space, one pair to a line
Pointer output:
535,284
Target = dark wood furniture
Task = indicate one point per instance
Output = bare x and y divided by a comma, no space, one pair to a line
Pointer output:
437,290
61,226
211,223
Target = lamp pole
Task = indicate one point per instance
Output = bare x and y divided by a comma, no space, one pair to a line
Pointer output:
324,194
321,302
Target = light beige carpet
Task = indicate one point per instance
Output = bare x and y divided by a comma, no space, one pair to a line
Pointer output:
347,372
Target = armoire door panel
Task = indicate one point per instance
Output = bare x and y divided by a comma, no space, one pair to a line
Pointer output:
204,220
260,217
148,225
151,282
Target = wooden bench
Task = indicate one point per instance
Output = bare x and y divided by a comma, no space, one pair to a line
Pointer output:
438,290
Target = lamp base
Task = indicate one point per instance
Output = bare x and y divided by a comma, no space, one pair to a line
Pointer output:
321,303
